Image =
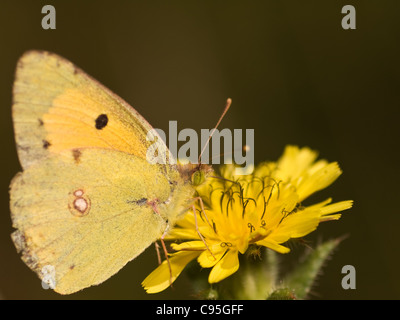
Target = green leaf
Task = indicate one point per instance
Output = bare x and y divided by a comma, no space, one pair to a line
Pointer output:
301,279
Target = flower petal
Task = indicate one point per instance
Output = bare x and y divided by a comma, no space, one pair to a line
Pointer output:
296,225
336,207
206,260
159,279
294,162
180,233
225,267
319,180
189,246
273,245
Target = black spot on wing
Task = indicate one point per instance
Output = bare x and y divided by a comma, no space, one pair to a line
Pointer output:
101,121
46,144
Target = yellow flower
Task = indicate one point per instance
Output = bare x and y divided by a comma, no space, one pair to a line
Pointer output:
263,208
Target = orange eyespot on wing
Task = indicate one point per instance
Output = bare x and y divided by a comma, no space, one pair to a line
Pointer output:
79,204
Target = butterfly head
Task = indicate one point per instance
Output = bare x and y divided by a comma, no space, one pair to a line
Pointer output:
196,174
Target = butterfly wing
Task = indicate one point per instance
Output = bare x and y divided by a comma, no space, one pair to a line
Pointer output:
87,218
58,107
81,204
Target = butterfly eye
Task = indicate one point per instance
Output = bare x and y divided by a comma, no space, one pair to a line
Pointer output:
198,178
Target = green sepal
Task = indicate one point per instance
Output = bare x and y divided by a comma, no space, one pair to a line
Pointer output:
301,279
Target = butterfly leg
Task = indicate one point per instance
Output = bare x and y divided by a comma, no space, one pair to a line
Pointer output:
158,252
153,205
166,252
198,231
202,209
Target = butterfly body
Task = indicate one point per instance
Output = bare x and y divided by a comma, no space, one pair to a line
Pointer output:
87,201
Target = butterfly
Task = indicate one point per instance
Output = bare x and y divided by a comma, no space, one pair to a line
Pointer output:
87,201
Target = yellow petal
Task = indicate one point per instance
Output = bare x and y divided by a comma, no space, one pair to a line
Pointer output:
336,207
319,180
330,217
228,265
319,205
242,245
206,260
180,233
296,225
294,162
189,246
159,279
273,245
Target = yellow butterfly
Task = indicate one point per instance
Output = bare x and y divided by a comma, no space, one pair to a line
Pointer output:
87,201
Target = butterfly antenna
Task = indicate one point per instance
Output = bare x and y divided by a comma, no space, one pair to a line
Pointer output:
245,148
227,106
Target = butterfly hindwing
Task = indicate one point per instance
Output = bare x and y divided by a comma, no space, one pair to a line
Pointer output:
86,219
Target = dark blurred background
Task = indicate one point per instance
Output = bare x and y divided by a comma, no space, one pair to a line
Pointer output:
295,76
